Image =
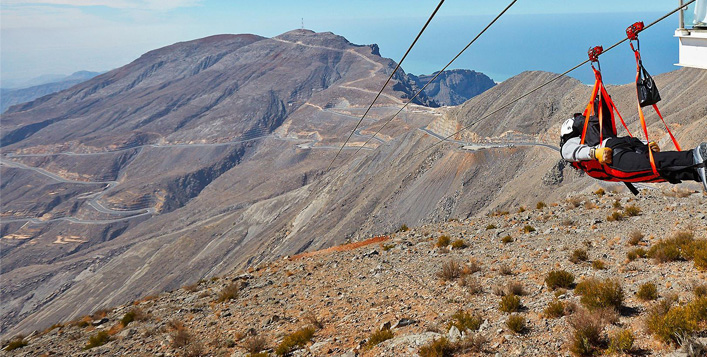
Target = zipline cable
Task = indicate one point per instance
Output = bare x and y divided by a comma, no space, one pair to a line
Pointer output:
548,82
386,82
439,73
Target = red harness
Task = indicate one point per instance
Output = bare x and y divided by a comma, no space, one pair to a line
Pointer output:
603,172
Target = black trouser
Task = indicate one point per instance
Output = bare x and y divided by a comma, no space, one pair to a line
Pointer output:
631,155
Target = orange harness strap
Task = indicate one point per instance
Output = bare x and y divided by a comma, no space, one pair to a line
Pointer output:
642,117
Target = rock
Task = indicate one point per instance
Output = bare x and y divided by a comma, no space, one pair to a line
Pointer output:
485,325
403,322
385,326
454,334
99,322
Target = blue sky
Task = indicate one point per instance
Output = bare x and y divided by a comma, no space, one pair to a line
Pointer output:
63,36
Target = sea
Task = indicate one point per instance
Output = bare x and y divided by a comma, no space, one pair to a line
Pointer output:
518,43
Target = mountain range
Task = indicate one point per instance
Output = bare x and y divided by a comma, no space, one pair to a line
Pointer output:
209,156
52,84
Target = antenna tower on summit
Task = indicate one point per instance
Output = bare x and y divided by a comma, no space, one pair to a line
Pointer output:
303,23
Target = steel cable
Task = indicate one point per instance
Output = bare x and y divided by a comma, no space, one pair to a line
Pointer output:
387,81
548,82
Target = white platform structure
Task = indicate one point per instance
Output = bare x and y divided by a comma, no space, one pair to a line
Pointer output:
692,34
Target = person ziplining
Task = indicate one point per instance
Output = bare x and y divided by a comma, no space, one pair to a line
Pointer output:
590,141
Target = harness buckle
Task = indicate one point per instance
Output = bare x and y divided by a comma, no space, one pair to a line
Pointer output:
633,30
594,53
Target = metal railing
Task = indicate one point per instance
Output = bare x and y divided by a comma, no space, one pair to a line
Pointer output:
692,16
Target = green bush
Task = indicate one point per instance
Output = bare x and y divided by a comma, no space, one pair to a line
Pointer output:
671,324
298,339
99,339
600,294
516,323
647,291
379,336
621,342
559,279
464,320
509,303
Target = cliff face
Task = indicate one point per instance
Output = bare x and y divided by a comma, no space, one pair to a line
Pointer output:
455,86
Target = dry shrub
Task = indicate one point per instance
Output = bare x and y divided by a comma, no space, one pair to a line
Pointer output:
590,205
632,211
437,348
135,314
403,228
99,339
677,192
379,336
516,323
474,266
633,254
505,269
579,255
647,291
491,226
674,248
313,320
507,239
99,314
567,222
459,244
615,216
617,204
559,279
451,270
700,290
509,303
230,292
471,285
516,288
192,288
255,344
540,205
528,229
473,343
635,237
179,334
600,192
499,290
574,201
599,265
621,342
443,241
15,343
555,309
464,320
600,294
586,333
297,339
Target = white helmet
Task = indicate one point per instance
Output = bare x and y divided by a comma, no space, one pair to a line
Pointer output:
567,127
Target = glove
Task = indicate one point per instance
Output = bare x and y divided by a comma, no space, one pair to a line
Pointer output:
654,146
603,155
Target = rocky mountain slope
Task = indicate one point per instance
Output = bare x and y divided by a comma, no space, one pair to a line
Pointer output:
10,97
455,86
226,180
404,283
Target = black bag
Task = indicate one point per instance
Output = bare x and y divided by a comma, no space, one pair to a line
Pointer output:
647,90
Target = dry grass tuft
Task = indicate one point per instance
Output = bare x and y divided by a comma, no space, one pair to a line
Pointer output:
297,339
647,291
555,309
509,303
621,342
586,334
559,279
443,241
451,270
379,336
255,344
230,292
579,255
464,320
516,323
